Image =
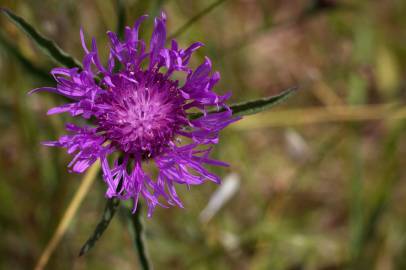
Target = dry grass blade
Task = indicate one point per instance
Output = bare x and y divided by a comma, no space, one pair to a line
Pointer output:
70,212
318,115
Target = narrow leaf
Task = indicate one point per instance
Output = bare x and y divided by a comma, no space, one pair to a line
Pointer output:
195,18
259,105
121,18
253,106
47,45
137,230
108,214
25,62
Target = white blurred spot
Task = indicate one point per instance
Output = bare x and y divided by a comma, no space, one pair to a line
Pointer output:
230,241
297,147
222,195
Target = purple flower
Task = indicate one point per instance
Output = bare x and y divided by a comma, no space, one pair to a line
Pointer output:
139,114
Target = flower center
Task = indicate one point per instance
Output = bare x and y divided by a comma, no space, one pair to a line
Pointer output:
142,117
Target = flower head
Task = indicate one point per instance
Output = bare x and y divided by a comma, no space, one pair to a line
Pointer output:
138,113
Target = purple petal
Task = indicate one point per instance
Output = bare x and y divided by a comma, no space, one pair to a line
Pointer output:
60,109
82,39
43,89
157,40
137,25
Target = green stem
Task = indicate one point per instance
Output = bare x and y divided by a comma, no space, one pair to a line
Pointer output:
108,214
137,229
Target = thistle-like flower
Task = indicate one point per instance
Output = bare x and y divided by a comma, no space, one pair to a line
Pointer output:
138,113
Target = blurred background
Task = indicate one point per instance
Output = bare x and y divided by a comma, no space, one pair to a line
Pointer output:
318,182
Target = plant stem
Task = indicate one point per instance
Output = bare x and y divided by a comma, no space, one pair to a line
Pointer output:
137,229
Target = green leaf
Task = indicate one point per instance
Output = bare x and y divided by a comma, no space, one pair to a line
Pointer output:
108,214
121,18
253,106
48,46
25,62
195,18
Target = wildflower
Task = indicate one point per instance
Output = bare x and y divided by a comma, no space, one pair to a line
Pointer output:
135,108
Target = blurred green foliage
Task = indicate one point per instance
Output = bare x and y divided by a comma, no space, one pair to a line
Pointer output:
313,195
